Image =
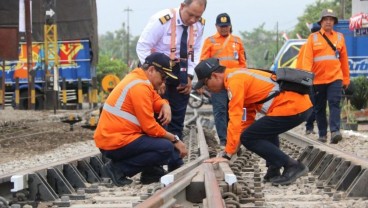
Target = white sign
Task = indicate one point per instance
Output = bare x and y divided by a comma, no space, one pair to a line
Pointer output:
50,13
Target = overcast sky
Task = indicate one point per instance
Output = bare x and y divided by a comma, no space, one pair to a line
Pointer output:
245,14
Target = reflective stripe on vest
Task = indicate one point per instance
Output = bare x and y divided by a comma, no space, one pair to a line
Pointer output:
276,88
224,58
116,109
326,57
227,58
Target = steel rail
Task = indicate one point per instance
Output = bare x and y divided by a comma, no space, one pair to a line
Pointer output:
164,197
305,142
41,168
335,168
181,179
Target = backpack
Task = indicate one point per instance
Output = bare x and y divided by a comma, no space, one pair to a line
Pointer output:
289,79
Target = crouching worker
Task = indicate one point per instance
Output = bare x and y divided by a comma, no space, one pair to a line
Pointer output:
128,133
252,91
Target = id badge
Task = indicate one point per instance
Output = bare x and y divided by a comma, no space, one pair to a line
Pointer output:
236,55
244,117
337,54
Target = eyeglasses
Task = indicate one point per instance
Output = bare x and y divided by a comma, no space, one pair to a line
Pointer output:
206,80
162,73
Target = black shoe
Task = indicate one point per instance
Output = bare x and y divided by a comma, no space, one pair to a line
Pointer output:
152,174
272,172
149,179
172,168
290,174
118,181
322,139
307,132
336,137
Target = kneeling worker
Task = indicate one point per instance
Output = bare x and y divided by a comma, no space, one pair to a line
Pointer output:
248,91
128,133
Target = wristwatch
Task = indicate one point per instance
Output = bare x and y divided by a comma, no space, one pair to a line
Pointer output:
226,156
176,139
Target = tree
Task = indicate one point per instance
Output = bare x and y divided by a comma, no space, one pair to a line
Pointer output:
260,41
257,43
110,46
109,65
114,44
313,13
113,53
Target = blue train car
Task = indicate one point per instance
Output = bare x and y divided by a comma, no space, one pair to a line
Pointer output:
357,46
74,63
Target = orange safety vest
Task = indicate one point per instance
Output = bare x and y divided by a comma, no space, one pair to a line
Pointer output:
247,87
229,50
128,113
322,61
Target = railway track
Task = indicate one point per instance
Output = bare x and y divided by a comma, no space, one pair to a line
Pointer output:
336,179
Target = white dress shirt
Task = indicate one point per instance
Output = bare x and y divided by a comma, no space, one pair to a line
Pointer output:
157,37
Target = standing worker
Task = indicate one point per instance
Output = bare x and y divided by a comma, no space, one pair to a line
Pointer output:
178,34
127,132
251,91
229,50
309,125
326,56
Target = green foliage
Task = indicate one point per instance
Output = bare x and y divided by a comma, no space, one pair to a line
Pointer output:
313,13
121,36
359,99
115,45
113,53
110,46
256,44
109,65
258,41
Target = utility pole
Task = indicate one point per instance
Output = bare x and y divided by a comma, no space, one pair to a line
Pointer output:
127,10
30,71
51,55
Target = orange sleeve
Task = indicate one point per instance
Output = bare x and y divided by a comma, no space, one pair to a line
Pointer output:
158,102
307,58
143,110
206,49
236,125
242,56
344,63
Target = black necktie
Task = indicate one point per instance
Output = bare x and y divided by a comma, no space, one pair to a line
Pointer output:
183,77
183,43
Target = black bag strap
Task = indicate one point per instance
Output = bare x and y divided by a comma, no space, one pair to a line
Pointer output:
268,97
328,41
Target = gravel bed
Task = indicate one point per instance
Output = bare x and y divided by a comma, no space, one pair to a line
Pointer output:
60,143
